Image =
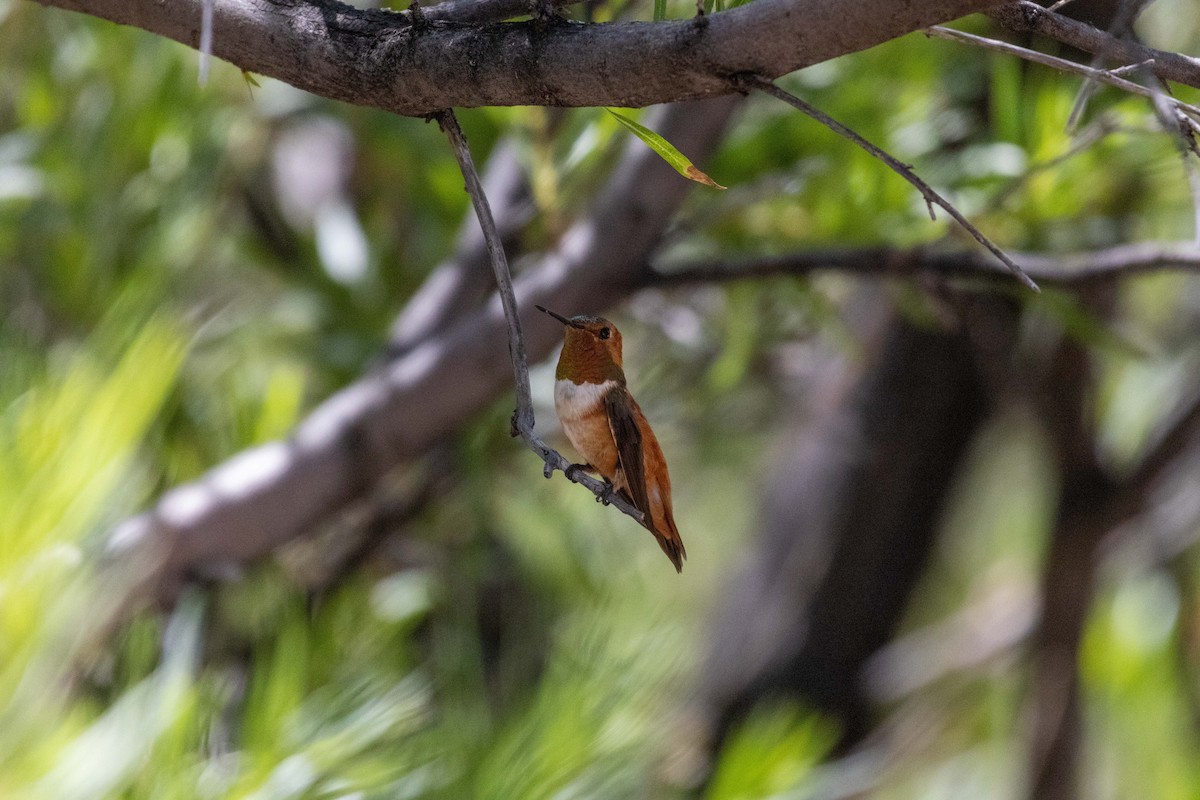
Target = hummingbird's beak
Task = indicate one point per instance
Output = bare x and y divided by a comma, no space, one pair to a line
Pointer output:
558,317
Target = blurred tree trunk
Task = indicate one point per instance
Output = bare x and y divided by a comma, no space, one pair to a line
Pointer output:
849,521
1090,504
851,516
1053,710
1093,500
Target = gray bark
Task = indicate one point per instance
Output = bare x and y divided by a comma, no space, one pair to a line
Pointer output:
378,58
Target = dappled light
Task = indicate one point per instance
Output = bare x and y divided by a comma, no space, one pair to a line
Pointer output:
290,509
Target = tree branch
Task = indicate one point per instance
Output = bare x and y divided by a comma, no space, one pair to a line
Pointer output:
1054,62
523,421
378,58
988,625
1169,443
523,417
1068,269
1026,17
932,198
461,283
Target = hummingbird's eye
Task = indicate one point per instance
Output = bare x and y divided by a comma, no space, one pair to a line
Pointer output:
605,333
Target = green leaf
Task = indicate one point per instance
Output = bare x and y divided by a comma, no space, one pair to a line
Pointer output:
660,10
668,151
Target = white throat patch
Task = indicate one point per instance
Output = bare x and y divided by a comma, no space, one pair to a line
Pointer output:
573,400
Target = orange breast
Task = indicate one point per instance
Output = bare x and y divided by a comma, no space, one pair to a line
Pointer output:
580,408
592,437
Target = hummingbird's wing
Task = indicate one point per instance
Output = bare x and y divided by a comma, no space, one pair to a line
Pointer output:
618,406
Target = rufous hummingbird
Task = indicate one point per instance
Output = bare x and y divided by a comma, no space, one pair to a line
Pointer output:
606,426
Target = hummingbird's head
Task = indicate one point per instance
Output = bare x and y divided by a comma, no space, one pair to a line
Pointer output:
591,350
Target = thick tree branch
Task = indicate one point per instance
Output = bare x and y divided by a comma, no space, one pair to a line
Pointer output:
378,58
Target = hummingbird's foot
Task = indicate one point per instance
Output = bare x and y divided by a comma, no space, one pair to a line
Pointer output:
606,497
700,19
513,430
575,469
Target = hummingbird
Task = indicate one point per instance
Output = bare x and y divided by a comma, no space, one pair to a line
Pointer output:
607,427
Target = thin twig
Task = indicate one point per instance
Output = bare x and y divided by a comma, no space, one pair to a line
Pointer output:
206,37
1088,88
1131,68
523,420
903,170
1103,126
508,298
1182,130
1027,17
1176,125
1121,26
1086,91
1103,76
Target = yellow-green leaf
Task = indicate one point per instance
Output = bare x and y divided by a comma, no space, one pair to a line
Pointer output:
668,151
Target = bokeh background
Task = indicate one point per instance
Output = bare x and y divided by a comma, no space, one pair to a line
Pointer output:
187,270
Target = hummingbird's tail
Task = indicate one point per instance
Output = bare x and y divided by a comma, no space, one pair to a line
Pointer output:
672,545
661,522
669,539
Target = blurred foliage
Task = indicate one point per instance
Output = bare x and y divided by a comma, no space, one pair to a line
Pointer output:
174,289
